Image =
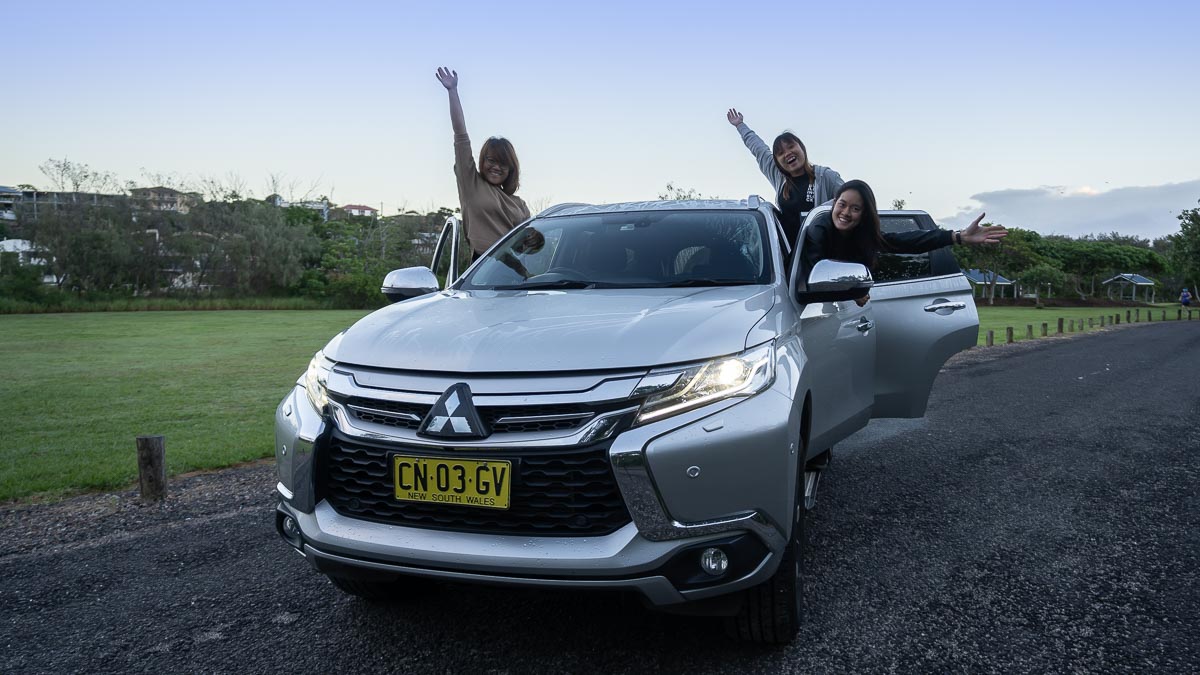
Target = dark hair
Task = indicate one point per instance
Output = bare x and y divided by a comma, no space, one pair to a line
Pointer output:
865,242
808,167
501,150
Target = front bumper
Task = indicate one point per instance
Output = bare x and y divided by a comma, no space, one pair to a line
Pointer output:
719,475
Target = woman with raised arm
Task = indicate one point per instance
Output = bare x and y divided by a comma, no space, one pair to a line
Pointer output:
487,191
853,233
800,186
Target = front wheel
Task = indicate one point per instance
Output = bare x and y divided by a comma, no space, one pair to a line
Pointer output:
772,610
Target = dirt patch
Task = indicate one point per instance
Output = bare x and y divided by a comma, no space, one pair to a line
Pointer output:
78,521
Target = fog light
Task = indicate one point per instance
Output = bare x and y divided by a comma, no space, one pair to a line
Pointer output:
714,561
290,528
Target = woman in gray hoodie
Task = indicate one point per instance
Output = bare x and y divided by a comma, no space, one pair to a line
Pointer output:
800,186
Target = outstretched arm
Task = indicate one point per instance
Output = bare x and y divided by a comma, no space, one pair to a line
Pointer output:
975,234
449,80
762,153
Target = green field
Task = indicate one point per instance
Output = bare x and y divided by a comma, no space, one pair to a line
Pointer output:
998,318
78,389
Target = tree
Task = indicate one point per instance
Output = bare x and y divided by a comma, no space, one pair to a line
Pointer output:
96,248
68,176
1042,275
1185,247
245,247
678,193
1014,254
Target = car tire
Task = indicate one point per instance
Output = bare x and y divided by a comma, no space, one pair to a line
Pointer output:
771,611
382,591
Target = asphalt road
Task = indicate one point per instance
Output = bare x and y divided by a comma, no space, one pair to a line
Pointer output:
1042,517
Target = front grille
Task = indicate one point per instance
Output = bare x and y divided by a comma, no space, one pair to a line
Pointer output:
558,492
509,419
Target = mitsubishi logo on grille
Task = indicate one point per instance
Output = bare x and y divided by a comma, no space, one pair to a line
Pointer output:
454,416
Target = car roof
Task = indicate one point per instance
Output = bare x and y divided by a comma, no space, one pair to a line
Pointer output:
752,202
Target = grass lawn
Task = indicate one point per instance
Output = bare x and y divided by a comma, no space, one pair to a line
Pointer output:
999,318
78,388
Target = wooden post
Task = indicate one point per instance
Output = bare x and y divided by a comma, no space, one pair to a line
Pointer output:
1071,326
1008,335
1103,319
1128,314
1137,315
1180,317
1164,315
152,467
1060,326
1149,315
1091,323
991,338
1044,328
1028,331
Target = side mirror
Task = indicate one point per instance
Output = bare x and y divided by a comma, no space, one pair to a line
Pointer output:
408,283
835,281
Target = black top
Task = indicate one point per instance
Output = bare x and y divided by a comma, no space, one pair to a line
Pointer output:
818,244
794,207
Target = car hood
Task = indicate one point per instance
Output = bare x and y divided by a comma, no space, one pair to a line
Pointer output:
546,331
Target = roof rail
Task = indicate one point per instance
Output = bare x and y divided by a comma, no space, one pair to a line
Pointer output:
551,210
754,201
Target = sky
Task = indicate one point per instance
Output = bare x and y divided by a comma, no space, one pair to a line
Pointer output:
1059,117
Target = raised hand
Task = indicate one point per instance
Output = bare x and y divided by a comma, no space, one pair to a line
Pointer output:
734,117
975,234
448,78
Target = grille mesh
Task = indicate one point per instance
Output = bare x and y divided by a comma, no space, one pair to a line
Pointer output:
563,492
489,414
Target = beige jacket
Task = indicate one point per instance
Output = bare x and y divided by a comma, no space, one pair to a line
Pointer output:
488,212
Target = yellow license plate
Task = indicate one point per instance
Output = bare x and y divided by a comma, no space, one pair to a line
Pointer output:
444,480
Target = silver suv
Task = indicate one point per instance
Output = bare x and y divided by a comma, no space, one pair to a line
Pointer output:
637,397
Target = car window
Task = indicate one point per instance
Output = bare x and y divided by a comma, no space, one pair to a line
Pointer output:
636,249
896,266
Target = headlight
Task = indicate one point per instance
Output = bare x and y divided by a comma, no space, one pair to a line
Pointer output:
672,391
316,379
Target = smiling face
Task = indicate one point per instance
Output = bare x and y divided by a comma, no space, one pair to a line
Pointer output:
790,156
494,170
498,164
847,211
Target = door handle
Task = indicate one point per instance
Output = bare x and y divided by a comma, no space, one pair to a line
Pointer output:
865,325
952,306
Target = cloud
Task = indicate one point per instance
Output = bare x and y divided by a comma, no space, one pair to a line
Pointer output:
1148,211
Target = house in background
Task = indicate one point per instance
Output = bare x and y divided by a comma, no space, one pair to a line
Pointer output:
321,205
9,197
163,199
980,279
359,210
1131,283
24,253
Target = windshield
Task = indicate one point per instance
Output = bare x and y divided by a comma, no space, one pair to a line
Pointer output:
637,249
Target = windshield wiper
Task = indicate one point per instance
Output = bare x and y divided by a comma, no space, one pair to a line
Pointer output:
559,283
685,283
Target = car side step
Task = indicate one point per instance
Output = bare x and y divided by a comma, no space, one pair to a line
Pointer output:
811,479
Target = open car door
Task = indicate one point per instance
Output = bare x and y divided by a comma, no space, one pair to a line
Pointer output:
841,338
924,313
447,247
